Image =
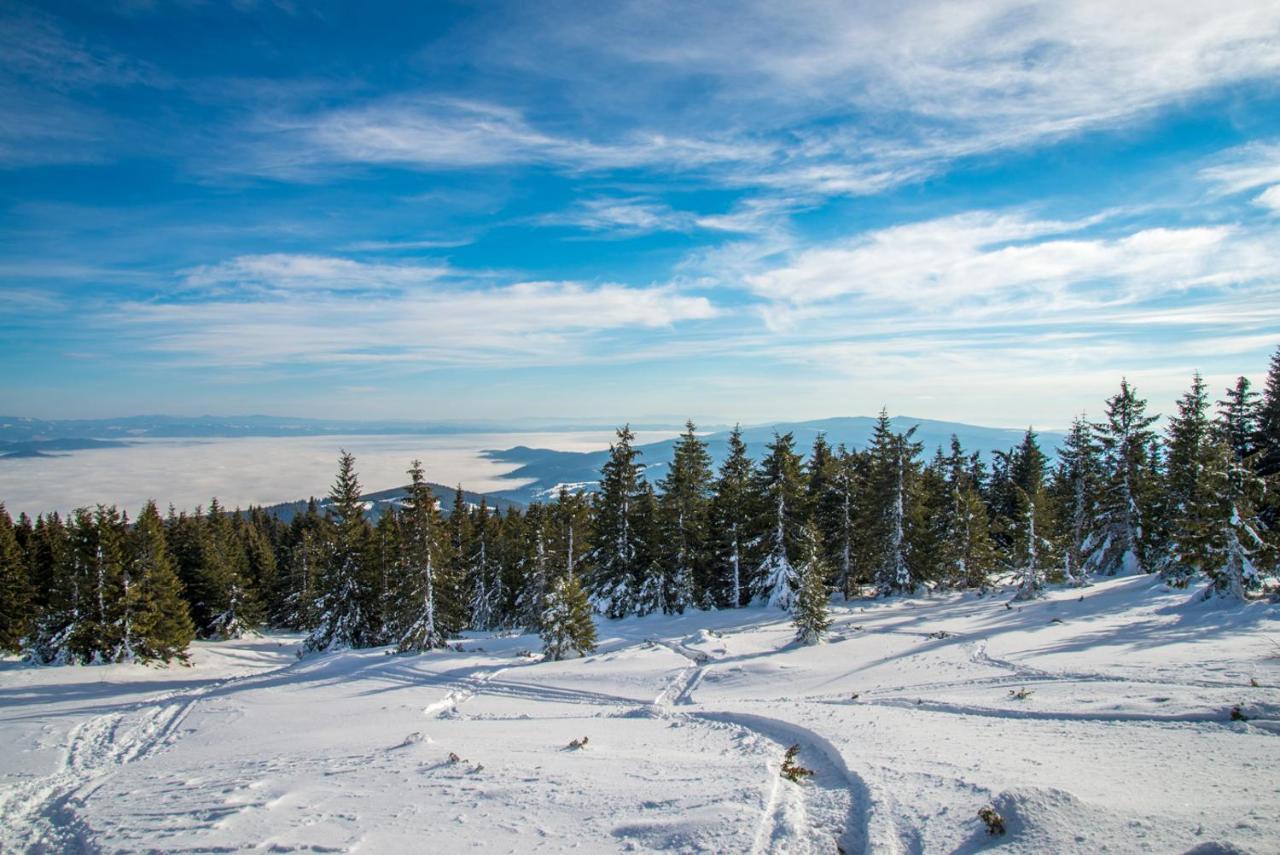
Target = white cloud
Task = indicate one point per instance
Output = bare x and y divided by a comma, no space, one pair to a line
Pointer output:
1244,168
994,265
283,271
622,217
529,322
1270,198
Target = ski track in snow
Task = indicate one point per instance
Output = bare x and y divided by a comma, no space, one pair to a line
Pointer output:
39,816
863,796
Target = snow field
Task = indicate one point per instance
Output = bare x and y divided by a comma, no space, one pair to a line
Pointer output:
1094,725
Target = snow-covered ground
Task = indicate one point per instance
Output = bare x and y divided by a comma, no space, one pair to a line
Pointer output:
907,717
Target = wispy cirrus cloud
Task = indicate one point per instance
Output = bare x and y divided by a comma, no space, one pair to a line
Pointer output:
314,310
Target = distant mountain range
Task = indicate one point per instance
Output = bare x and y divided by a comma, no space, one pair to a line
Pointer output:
20,429
546,469
376,504
52,447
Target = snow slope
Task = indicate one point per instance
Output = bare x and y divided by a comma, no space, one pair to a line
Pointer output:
908,716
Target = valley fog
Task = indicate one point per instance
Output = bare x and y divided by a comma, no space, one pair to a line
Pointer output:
245,471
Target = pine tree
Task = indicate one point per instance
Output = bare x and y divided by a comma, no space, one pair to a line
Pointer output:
892,466
342,619
616,581
967,554
484,573
811,613
162,626
1075,485
16,596
419,626
1188,433
1029,520
683,514
732,512
1240,418
1230,546
536,558
1267,438
230,606
455,595
780,495
1120,533
567,625
303,570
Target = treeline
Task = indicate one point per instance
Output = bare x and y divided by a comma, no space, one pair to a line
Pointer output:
1189,502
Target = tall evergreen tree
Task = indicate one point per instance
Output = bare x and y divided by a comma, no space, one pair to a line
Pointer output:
1076,485
229,605
1228,542
967,554
616,581
811,613
683,516
16,596
1185,481
536,558
1240,418
1267,437
779,486
892,466
419,625
484,572
732,512
342,618
567,625
162,627
1121,532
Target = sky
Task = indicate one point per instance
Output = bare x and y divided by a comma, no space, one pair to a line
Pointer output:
982,211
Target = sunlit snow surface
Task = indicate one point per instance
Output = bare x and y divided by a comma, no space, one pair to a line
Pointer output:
1124,744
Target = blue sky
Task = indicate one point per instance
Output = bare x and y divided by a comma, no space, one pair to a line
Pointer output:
985,211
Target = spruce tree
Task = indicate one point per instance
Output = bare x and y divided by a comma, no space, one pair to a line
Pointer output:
811,613
1029,524
615,582
1230,546
1185,481
570,535
732,512
455,595
567,625
229,605
484,572
162,626
1240,418
342,618
1122,531
683,514
419,625
16,597
652,589
892,467
303,570
1076,484
535,557
58,591
779,488
967,554
1267,444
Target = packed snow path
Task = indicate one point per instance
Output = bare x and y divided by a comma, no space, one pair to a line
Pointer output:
1094,720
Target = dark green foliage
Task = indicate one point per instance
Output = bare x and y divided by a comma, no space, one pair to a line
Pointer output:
791,770
683,525
567,625
419,624
811,613
778,531
16,595
162,626
1124,529
615,582
732,512
343,617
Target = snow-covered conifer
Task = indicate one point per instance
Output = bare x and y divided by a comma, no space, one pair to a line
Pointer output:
732,512
811,613
567,625
779,489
